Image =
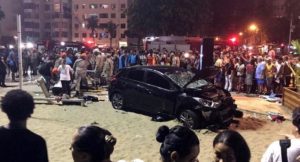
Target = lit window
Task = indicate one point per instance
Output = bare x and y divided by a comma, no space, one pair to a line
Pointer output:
57,7
93,6
83,25
105,6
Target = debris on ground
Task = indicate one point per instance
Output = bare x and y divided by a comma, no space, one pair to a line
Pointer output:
248,123
272,98
276,117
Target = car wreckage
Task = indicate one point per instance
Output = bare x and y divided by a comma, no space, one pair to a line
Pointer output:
173,92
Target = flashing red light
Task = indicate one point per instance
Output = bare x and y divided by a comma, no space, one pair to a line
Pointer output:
233,39
89,43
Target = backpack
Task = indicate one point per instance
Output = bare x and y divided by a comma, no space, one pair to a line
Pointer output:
284,145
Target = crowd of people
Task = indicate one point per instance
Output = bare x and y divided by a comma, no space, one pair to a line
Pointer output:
267,73
95,144
239,70
75,67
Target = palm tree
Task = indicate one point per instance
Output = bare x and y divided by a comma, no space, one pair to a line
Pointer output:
112,30
2,15
92,23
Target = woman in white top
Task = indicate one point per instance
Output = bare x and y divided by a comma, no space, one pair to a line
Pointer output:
292,154
65,77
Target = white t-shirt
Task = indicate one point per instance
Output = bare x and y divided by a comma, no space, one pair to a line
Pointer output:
273,153
65,72
240,69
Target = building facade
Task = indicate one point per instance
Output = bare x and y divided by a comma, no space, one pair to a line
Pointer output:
104,11
8,25
46,20
41,20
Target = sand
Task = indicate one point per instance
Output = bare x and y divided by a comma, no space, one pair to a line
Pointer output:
135,133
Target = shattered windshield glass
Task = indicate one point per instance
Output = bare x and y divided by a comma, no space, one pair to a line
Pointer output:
181,77
197,83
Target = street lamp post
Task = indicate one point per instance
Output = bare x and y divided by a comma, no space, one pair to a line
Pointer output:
20,51
253,28
290,33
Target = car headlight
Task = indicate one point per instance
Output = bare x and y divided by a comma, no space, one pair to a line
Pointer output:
208,103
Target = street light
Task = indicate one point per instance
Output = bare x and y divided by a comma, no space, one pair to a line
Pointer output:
241,33
62,43
253,27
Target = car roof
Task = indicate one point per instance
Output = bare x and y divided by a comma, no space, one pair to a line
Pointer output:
162,69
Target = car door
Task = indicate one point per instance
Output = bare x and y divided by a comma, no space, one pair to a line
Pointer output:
160,96
132,92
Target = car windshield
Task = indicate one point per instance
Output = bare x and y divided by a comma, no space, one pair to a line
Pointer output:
183,77
180,77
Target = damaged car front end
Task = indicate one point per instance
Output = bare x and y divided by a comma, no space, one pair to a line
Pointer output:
202,104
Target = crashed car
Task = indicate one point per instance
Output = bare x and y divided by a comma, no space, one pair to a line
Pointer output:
175,92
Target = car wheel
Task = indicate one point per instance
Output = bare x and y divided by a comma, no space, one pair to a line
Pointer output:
238,114
190,119
117,101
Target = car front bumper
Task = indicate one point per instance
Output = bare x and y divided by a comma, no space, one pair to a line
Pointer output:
223,115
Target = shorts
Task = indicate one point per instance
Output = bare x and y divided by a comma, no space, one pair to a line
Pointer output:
260,81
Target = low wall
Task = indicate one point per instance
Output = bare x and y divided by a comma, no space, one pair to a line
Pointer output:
291,98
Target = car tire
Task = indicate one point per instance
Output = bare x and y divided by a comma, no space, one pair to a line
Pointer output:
190,119
117,101
238,114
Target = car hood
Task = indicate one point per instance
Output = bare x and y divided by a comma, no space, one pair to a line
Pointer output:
207,73
209,92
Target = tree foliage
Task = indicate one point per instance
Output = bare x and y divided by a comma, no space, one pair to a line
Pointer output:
209,18
2,15
296,44
92,24
166,17
112,30
293,12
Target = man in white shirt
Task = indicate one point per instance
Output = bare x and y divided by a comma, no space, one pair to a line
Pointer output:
273,153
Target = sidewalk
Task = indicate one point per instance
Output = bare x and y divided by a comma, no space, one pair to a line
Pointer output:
259,105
